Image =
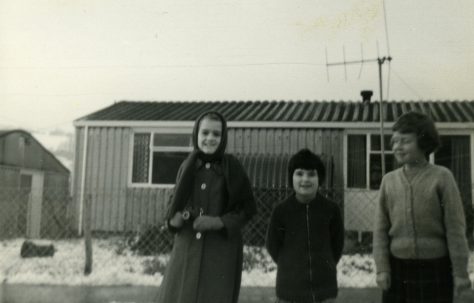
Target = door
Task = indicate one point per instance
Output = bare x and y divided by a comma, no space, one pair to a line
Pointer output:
24,198
29,217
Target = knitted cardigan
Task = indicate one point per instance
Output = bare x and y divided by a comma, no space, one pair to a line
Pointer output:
421,219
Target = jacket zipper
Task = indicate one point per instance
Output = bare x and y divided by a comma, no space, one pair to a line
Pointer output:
309,254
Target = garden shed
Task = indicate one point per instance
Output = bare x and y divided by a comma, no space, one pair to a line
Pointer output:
34,188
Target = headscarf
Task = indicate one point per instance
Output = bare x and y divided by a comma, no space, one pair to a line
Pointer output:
240,195
217,155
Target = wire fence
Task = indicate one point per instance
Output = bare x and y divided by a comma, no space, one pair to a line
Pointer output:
39,243
29,213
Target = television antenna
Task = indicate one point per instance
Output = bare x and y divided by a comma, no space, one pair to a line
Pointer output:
380,61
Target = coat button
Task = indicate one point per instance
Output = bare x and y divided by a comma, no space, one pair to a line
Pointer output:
208,165
203,186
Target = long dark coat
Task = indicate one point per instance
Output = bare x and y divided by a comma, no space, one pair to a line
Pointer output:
206,270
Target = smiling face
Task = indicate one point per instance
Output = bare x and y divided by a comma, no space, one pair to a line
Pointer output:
209,135
305,183
405,148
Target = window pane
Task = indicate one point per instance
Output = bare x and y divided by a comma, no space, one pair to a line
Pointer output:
356,161
141,156
171,140
165,166
375,142
376,168
455,154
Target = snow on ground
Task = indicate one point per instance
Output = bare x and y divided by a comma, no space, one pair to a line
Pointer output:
67,265
115,265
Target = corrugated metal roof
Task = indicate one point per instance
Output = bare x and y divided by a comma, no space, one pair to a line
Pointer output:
283,111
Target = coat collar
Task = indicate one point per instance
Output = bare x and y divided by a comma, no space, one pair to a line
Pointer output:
216,166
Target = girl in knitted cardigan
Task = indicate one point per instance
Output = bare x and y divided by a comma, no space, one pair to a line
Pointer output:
420,247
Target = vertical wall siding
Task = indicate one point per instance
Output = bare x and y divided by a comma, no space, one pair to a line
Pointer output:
145,207
118,207
105,179
120,172
288,141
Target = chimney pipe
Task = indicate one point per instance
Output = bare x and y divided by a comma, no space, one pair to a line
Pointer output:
366,95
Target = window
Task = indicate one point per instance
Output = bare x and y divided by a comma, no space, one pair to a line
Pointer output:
375,159
157,157
357,161
455,154
364,160
141,156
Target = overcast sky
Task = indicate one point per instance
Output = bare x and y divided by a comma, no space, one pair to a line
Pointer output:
62,59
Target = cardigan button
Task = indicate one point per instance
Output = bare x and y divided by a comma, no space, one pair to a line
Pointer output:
203,186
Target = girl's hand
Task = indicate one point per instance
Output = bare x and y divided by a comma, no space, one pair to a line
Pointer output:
383,280
205,223
461,285
177,220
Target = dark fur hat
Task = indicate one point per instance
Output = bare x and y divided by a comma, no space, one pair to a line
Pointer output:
306,159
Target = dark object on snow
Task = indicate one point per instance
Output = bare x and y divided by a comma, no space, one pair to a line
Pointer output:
30,250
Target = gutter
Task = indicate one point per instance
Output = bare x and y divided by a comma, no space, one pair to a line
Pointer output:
262,124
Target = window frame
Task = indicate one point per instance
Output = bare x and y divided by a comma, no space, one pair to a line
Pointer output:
368,152
152,150
443,131
376,152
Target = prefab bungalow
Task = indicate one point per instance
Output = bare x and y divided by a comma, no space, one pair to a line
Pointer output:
127,154
34,188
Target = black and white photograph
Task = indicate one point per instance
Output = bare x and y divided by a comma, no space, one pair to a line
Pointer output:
236,151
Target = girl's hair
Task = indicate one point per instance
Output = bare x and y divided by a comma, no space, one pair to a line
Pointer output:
305,159
423,127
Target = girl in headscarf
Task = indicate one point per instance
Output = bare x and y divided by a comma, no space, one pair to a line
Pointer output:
212,202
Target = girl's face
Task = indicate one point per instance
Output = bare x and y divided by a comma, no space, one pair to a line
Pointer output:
305,182
405,148
209,135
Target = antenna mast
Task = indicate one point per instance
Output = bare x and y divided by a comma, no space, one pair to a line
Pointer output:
380,61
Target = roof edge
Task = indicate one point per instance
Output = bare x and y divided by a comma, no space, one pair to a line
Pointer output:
260,124
8,132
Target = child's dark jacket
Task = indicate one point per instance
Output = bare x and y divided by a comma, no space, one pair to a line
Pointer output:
306,242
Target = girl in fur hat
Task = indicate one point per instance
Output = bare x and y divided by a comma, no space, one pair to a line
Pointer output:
306,236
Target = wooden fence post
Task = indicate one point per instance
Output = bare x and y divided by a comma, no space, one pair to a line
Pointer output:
87,234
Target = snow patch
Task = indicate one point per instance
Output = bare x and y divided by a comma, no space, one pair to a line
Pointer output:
112,266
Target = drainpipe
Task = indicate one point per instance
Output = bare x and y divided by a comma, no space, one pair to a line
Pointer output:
83,179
